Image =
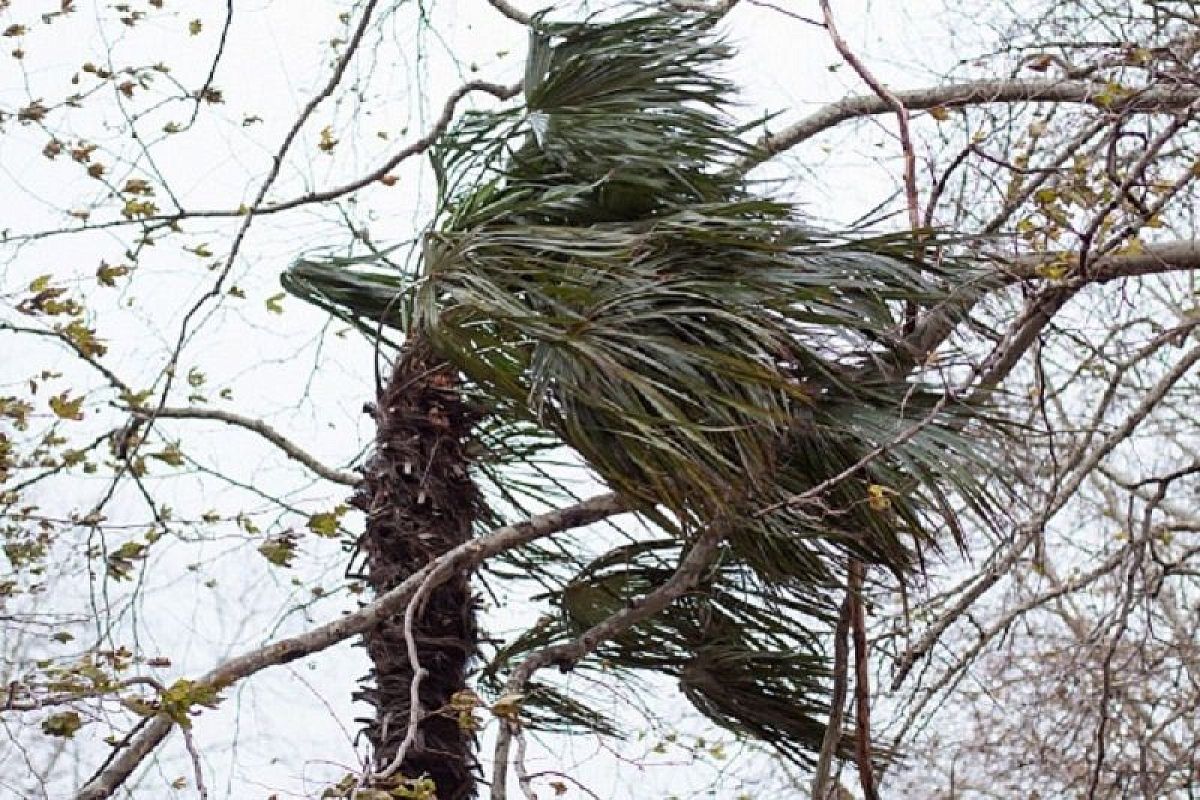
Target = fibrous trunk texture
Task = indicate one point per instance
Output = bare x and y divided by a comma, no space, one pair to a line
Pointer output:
420,503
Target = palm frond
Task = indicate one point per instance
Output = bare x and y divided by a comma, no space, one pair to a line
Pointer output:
603,280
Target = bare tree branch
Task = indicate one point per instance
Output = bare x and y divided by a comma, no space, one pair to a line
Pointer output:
862,681
1154,99
565,655
264,430
1025,536
509,10
837,702
939,323
893,102
465,557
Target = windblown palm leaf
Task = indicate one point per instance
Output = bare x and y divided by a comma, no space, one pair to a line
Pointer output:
601,273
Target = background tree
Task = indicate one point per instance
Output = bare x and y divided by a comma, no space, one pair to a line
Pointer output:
148,449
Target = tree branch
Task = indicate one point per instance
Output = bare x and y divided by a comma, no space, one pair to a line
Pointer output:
1028,532
837,703
464,557
509,10
936,325
891,101
264,430
862,678
1158,98
565,655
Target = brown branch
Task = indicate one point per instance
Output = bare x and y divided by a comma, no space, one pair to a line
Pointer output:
893,102
509,10
934,327
566,655
258,426
464,557
837,703
1154,99
912,200
862,682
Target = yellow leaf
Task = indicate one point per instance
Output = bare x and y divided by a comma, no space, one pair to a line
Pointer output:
325,523
83,338
106,275
1046,195
878,497
508,706
1055,269
170,455
63,724
138,208
65,407
138,186
274,303
940,113
327,142
194,27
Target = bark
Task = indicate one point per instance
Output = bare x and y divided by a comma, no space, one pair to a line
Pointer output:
420,503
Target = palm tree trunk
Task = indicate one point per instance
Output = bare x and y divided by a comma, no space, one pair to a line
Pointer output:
420,502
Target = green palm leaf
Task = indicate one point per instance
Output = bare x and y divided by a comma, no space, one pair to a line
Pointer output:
605,281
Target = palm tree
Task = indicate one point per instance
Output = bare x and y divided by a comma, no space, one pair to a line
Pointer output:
601,278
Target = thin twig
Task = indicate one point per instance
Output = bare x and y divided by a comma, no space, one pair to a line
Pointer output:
862,684
523,779
258,426
189,743
894,103
566,655
837,703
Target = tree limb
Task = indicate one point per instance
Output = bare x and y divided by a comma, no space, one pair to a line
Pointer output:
464,557
1158,98
565,655
837,703
1028,532
937,324
260,427
509,10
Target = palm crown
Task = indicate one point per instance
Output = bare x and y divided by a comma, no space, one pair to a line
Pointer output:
605,279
